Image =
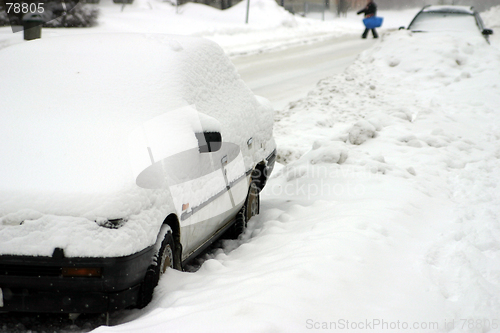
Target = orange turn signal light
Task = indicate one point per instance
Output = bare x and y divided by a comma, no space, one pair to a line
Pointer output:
81,271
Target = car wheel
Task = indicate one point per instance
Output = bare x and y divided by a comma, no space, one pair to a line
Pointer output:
249,209
239,224
163,260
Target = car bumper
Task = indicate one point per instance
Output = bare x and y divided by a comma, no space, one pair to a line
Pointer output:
36,284
32,300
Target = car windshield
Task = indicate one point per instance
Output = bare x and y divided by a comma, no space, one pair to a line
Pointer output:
435,21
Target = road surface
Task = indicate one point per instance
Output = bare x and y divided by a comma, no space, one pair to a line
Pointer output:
287,75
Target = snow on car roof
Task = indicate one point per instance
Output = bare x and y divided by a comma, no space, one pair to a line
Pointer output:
70,103
450,9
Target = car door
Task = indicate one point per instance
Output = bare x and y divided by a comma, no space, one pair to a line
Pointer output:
182,153
227,186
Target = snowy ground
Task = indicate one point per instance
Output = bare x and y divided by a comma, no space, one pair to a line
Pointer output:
386,215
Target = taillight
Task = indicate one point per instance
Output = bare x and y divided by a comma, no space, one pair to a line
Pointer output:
81,272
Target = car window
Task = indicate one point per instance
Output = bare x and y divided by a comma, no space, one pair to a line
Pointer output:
433,21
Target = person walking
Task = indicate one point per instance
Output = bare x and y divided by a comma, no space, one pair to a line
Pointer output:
369,11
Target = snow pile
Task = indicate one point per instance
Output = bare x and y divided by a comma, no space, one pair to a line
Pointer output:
387,211
226,27
409,62
421,107
264,14
361,132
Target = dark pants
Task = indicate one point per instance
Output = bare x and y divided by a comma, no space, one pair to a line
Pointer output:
374,32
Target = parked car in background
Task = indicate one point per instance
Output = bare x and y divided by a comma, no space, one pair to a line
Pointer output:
123,155
461,19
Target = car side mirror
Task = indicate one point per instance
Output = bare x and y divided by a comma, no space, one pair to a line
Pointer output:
401,28
487,32
209,141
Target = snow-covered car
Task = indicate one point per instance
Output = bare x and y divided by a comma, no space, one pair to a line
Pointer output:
461,19
122,155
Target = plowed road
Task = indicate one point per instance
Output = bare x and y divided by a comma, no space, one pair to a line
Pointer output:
287,75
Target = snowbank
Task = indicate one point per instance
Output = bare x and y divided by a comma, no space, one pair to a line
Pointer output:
421,107
404,61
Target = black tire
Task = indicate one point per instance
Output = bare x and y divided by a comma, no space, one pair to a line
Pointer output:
239,225
253,201
249,209
163,259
